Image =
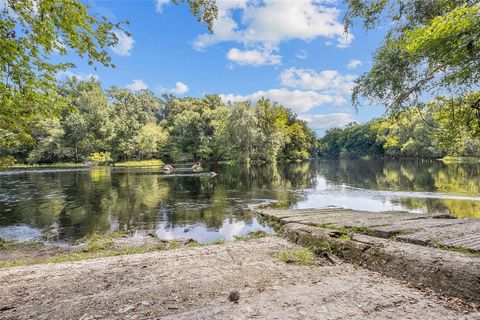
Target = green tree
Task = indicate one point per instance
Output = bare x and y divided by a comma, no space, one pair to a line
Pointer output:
272,125
458,132
432,46
242,131
88,121
131,112
49,142
31,31
149,141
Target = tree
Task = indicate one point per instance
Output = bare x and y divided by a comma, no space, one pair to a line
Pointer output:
431,48
31,31
272,123
150,140
242,131
49,142
458,131
88,121
131,112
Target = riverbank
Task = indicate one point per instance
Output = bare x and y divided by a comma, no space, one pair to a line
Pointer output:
244,279
14,254
434,251
451,159
141,163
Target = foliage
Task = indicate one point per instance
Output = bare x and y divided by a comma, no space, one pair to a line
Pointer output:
7,161
444,127
142,163
100,158
121,125
31,33
432,47
204,10
98,241
48,147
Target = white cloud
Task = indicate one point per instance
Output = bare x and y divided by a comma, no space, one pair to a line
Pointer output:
327,121
180,88
124,45
302,54
327,81
270,22
354,63
253,57
159,5
137,85
296,100
80,76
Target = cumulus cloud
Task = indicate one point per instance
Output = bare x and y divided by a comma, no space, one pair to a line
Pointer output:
327,81
180,88
159,5
296,100
253,57
270,22
137,85
80,76
124,45
354,63
327,121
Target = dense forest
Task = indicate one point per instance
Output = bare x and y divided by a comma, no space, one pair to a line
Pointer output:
430,48
444,127
105,126
119,124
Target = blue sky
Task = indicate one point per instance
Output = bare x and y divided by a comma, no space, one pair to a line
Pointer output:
292,51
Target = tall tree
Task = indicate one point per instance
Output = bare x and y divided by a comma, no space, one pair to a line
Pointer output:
31,31
132,111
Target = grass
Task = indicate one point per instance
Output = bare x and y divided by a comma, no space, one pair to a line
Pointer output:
173,245
98,241
451,159
303,256
460,249
143,163
47,165
5,244
217,241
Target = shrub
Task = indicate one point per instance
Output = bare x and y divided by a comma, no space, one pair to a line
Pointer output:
100,158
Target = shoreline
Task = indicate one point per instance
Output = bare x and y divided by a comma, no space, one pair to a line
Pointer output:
243,279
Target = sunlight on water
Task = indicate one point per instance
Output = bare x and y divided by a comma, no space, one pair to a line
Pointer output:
67,204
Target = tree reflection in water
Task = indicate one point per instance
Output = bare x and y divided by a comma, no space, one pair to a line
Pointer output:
66,205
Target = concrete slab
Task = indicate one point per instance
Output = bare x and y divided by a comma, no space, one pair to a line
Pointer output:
422,229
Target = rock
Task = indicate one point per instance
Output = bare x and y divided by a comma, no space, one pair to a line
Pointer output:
234,296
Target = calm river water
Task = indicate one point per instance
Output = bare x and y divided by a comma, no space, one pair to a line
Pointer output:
65,205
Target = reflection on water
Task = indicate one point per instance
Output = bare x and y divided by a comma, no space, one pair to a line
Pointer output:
66,205
231,228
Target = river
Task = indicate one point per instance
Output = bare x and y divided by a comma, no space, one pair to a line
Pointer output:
65,205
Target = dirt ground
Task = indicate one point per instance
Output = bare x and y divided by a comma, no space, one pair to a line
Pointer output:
194,283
